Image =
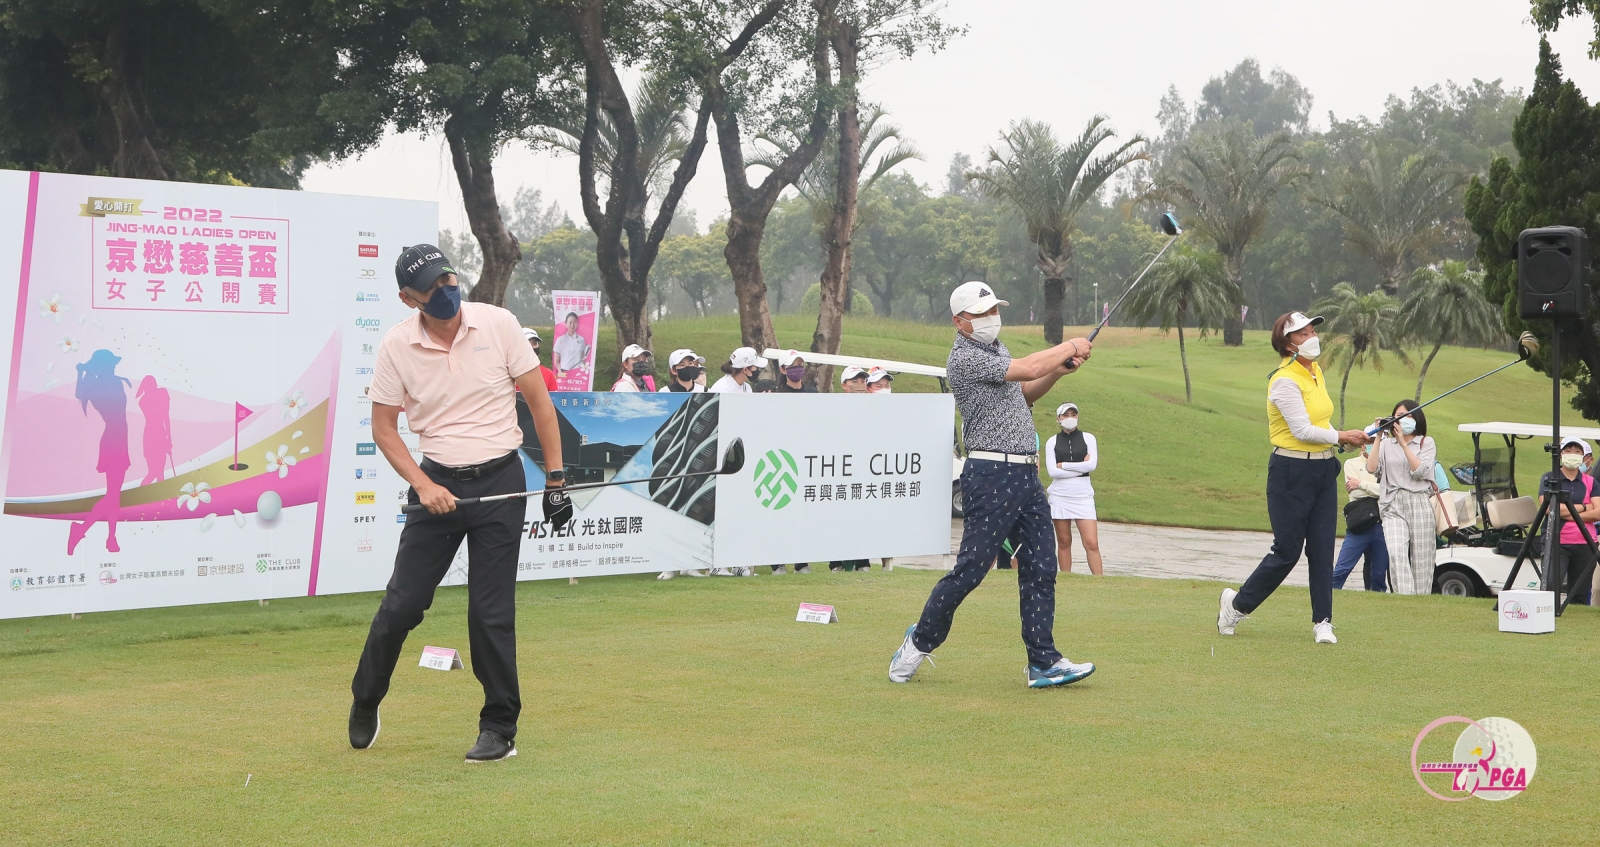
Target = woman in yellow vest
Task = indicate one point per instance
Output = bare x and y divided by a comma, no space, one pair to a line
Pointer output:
1302,500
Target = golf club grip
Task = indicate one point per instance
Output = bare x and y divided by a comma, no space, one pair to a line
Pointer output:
417,508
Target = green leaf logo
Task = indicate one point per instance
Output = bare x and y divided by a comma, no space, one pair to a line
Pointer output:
775,479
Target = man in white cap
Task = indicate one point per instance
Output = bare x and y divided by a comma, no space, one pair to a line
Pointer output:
793,368
535,342
741,369
1000,485
638,369
688,372
853,380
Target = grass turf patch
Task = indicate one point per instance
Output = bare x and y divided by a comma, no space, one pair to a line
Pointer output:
698,712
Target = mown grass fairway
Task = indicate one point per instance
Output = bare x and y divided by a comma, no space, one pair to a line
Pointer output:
1164,461
698,712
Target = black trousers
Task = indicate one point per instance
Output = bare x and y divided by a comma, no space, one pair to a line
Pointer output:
1302,504
428,544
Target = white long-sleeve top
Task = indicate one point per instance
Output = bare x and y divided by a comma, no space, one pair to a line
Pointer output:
1285,394
1071,478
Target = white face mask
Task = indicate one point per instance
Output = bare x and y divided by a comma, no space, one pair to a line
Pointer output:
1571,461
1311,349
985,329
1069,424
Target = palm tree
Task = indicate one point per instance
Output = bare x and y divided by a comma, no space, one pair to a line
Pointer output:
1447,306
818,181
1394,207
659,112
1048,184
1189,286
1225,183
1362,326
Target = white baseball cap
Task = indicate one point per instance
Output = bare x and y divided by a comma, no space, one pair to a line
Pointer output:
745,357
975,298
877,374
1299,321
1571,440
850,373
685,353
1062,409
633,350
530,333
788,358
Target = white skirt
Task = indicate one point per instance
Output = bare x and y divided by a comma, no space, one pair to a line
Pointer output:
1072,507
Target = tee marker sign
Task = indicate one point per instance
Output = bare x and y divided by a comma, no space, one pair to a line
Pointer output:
440,659
813,613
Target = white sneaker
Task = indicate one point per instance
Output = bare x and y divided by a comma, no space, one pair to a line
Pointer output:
743,571
1227,616
1324,632
903,665
779,570
803,569
694,573
667,575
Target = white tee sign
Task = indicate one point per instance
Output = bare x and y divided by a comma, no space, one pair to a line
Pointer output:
440,659
813,613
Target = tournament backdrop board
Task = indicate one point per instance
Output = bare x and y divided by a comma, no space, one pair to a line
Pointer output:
829,477
155,322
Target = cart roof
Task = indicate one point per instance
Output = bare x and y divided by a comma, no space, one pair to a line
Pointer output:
1529,430
860,362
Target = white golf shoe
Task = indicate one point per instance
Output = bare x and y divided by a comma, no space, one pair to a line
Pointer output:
667,575
907,659
1324,632
1227,616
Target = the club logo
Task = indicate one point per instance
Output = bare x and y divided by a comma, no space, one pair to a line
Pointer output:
261,566
1493,759
775,479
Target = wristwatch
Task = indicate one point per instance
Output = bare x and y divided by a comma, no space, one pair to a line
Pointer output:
558,475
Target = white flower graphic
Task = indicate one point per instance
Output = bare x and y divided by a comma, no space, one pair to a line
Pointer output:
194,493
69,345
53,308
280,461
295,405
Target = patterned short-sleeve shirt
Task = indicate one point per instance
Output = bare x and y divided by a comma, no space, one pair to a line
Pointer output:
994,414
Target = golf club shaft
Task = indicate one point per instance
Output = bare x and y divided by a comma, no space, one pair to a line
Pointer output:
413,508
1113,310
1389,421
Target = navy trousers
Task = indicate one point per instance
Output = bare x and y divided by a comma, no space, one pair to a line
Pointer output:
1302,505
1003,501
1371,545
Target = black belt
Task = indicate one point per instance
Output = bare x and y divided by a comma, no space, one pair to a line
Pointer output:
470,472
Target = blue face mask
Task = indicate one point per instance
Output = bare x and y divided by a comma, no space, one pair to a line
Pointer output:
1408,425
445,302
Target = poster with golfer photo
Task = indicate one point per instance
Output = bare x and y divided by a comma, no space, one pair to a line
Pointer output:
181,369
577,318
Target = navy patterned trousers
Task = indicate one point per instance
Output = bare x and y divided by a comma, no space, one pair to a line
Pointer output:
1003,501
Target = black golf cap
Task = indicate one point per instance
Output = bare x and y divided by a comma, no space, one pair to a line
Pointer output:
419,265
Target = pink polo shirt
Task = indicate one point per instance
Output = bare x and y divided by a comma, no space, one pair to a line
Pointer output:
461,401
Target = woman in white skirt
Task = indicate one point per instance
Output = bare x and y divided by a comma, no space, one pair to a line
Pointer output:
1403,461
1071,456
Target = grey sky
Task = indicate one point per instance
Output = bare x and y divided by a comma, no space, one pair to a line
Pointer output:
1063,61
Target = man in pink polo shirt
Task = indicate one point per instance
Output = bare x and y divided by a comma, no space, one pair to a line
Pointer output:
453,367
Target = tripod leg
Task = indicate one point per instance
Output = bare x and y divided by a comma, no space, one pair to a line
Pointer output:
1522,555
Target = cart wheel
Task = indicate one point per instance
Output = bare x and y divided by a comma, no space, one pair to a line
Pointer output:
1455,582
958,508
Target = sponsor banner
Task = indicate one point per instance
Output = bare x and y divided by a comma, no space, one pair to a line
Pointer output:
577,318
183,360
836,476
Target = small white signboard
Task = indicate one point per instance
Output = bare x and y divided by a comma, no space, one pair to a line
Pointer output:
440,659
813,613
1527,611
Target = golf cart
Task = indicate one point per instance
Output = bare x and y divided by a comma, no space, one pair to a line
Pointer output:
1480,553
893,367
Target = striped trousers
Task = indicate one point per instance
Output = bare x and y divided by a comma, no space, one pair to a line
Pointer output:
1411,533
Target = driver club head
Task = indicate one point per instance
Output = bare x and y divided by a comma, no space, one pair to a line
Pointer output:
1169,224
732,457
1527,345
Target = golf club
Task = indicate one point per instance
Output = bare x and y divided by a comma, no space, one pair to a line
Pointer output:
1169,225
1527,345
732,462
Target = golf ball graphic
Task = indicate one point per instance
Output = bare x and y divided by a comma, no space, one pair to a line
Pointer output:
269,505
1513,757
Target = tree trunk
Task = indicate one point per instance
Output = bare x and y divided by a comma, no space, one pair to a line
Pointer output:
1233,325
835,282
1425,363
138,151
1054,292
1183,355
750,289
473,159
1349,366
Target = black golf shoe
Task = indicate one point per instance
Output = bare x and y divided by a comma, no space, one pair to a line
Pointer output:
364,726
491,747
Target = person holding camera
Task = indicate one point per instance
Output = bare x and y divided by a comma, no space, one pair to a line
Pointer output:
1363,528
1403,461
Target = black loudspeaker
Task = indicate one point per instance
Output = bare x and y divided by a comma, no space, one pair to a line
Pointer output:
1550,265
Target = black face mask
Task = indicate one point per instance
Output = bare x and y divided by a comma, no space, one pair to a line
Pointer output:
644,368
689,374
